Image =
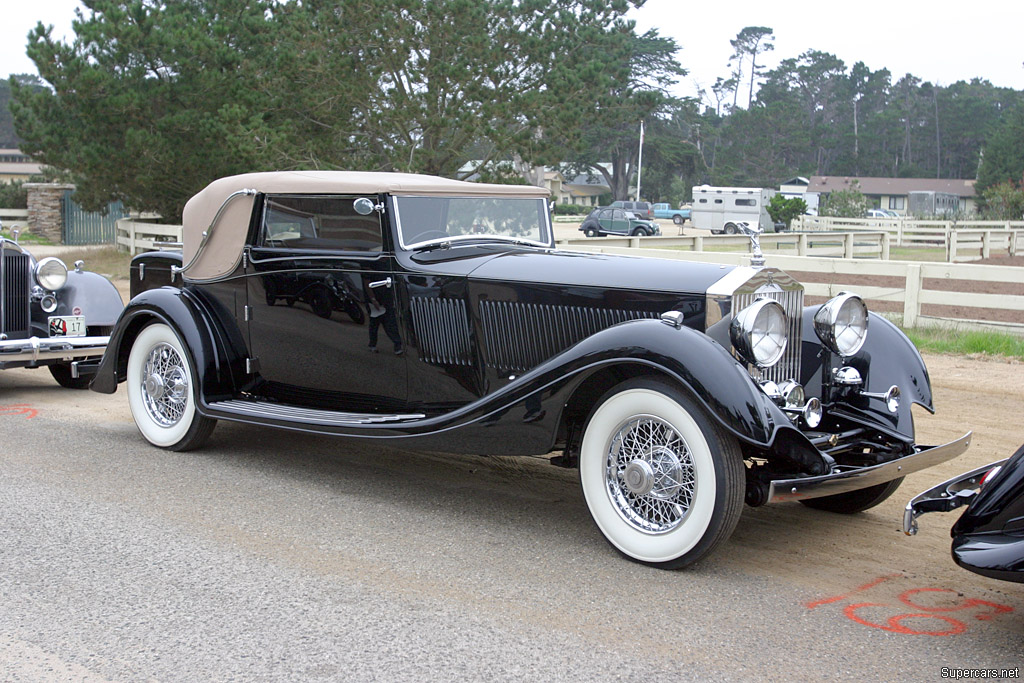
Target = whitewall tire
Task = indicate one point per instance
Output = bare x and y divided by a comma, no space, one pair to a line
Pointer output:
663,483
162,392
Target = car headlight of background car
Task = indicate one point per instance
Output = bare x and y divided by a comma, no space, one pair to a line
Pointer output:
759,332
51,273
842,324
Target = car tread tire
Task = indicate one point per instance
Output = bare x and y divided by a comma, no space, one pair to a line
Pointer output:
852,502
62,373
162,391
691,448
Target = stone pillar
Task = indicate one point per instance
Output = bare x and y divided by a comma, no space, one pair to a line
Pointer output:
44,214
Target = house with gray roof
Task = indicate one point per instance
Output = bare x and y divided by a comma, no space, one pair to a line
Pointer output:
906,196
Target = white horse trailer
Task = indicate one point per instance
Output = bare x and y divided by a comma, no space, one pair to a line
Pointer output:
719,209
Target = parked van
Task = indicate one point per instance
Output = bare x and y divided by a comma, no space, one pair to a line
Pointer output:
719,209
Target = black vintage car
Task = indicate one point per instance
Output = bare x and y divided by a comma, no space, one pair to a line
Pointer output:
988,539
679,390
52,317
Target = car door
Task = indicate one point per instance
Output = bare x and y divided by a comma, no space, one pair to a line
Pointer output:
619,222
322,323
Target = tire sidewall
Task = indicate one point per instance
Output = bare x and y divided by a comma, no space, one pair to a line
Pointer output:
700,529
155,433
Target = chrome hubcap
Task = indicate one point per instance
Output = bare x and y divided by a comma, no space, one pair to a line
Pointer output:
650,476
165,385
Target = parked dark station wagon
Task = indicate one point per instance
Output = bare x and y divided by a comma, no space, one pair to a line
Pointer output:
438,315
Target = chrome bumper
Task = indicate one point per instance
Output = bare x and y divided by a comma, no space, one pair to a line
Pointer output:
947,496
35,349
852,480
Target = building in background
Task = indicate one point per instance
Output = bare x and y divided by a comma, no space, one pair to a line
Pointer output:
906,196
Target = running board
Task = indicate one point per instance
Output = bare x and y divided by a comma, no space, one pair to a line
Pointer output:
277,411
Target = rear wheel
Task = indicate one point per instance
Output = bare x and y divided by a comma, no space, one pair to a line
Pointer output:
730,229
677,219
663,483
590,232
855,501
62,373
162,392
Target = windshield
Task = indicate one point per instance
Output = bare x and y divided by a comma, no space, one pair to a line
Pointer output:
422,220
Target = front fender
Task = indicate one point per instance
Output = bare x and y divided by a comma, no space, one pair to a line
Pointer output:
209,333
93,295
696,362
888,357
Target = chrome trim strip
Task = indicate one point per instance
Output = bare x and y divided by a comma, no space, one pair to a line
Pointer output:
842,482
60,348
941,499
277,411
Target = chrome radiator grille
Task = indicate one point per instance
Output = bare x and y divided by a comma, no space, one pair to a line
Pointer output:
14,288
792,300
521,336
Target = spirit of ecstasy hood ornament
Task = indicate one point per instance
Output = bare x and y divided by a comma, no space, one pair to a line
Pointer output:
757,260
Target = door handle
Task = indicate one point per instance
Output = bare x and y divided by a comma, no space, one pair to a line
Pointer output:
386,282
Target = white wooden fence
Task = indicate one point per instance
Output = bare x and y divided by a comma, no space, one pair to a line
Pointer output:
912,293
134,236
962,240
846,245
14,218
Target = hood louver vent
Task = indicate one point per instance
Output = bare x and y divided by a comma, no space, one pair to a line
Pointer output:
518,337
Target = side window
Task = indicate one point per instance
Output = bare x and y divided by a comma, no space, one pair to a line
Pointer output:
317,222
718,201
619,215
745,202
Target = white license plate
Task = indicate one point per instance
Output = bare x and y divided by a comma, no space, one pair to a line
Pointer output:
67,325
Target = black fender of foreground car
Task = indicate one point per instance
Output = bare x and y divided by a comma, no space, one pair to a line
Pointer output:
216,345
569,381
887,358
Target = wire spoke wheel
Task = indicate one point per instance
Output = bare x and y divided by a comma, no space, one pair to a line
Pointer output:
165,385
663,482
162,391
650,475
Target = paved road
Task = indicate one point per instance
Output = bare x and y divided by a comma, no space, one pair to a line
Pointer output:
271,556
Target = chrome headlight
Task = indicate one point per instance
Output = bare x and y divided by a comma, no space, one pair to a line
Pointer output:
842,324
758,332
51,273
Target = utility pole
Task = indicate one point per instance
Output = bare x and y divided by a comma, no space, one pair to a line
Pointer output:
640,161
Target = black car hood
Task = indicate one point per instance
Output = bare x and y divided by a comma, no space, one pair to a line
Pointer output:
610,271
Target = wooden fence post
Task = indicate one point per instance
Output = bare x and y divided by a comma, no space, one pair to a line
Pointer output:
912,296
986,244
885,246
951,247
848,245
131,237
801,247
698,243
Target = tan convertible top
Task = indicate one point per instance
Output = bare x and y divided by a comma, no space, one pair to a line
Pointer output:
224,247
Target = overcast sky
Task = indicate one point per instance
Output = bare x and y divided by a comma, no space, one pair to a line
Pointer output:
935,41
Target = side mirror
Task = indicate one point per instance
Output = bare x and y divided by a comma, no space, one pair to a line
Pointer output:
364,206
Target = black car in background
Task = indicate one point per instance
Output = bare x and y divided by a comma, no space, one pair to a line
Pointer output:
988,539
614,221
680,390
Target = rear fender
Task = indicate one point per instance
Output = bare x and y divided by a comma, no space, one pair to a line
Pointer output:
209,333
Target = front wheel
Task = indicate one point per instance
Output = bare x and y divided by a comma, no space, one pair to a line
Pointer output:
162,392
730,229
663,483
640,232
62,373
